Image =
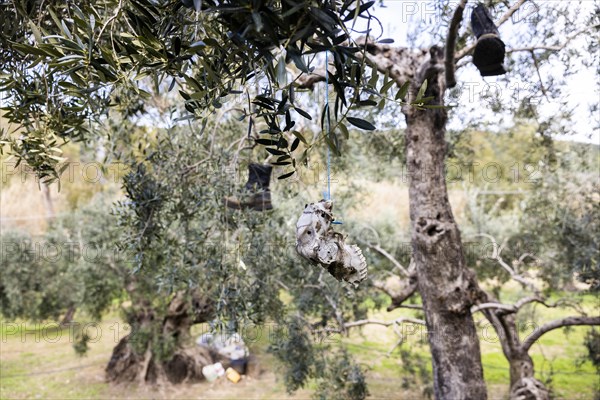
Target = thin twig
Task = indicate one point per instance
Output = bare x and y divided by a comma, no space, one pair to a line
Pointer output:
398,343
189,168
537,69
557,47
364,322
512,308
387,255
111,19
497,255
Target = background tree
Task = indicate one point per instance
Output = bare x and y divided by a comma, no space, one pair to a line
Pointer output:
72,266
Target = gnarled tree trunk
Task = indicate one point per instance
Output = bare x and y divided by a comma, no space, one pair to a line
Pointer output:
446,285
185,361
523,384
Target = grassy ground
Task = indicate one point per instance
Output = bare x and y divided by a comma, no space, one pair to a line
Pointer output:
40,363
559,357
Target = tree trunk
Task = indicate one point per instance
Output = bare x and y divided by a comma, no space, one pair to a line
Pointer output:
523,384
48,203
446,286
138,356
68,317
184,365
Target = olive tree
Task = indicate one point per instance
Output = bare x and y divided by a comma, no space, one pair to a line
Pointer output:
73,266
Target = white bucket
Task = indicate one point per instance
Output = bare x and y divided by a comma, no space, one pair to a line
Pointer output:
212,372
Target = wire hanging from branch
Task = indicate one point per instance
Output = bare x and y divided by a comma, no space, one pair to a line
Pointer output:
315,238
327,125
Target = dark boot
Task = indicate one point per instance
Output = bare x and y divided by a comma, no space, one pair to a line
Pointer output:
255,194
489,50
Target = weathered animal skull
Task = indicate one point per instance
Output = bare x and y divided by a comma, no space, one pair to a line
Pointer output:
317,242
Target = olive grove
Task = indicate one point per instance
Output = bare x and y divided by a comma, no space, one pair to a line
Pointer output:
78,72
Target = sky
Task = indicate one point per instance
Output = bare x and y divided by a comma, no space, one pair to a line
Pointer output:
399,15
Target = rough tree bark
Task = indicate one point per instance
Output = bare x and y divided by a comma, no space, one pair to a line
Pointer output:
186,361
445,283
523,384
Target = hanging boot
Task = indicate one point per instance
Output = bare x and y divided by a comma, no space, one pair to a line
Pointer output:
489,50
255,194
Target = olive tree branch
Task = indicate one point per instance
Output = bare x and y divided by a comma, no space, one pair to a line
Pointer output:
514,308
497,255
363,322
511,308
559,323
556,47
387,255
451,44
409,286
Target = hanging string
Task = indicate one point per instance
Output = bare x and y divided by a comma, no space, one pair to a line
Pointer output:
327,131
327,127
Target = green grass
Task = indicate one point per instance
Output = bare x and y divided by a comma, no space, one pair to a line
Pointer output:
559,356
30,369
